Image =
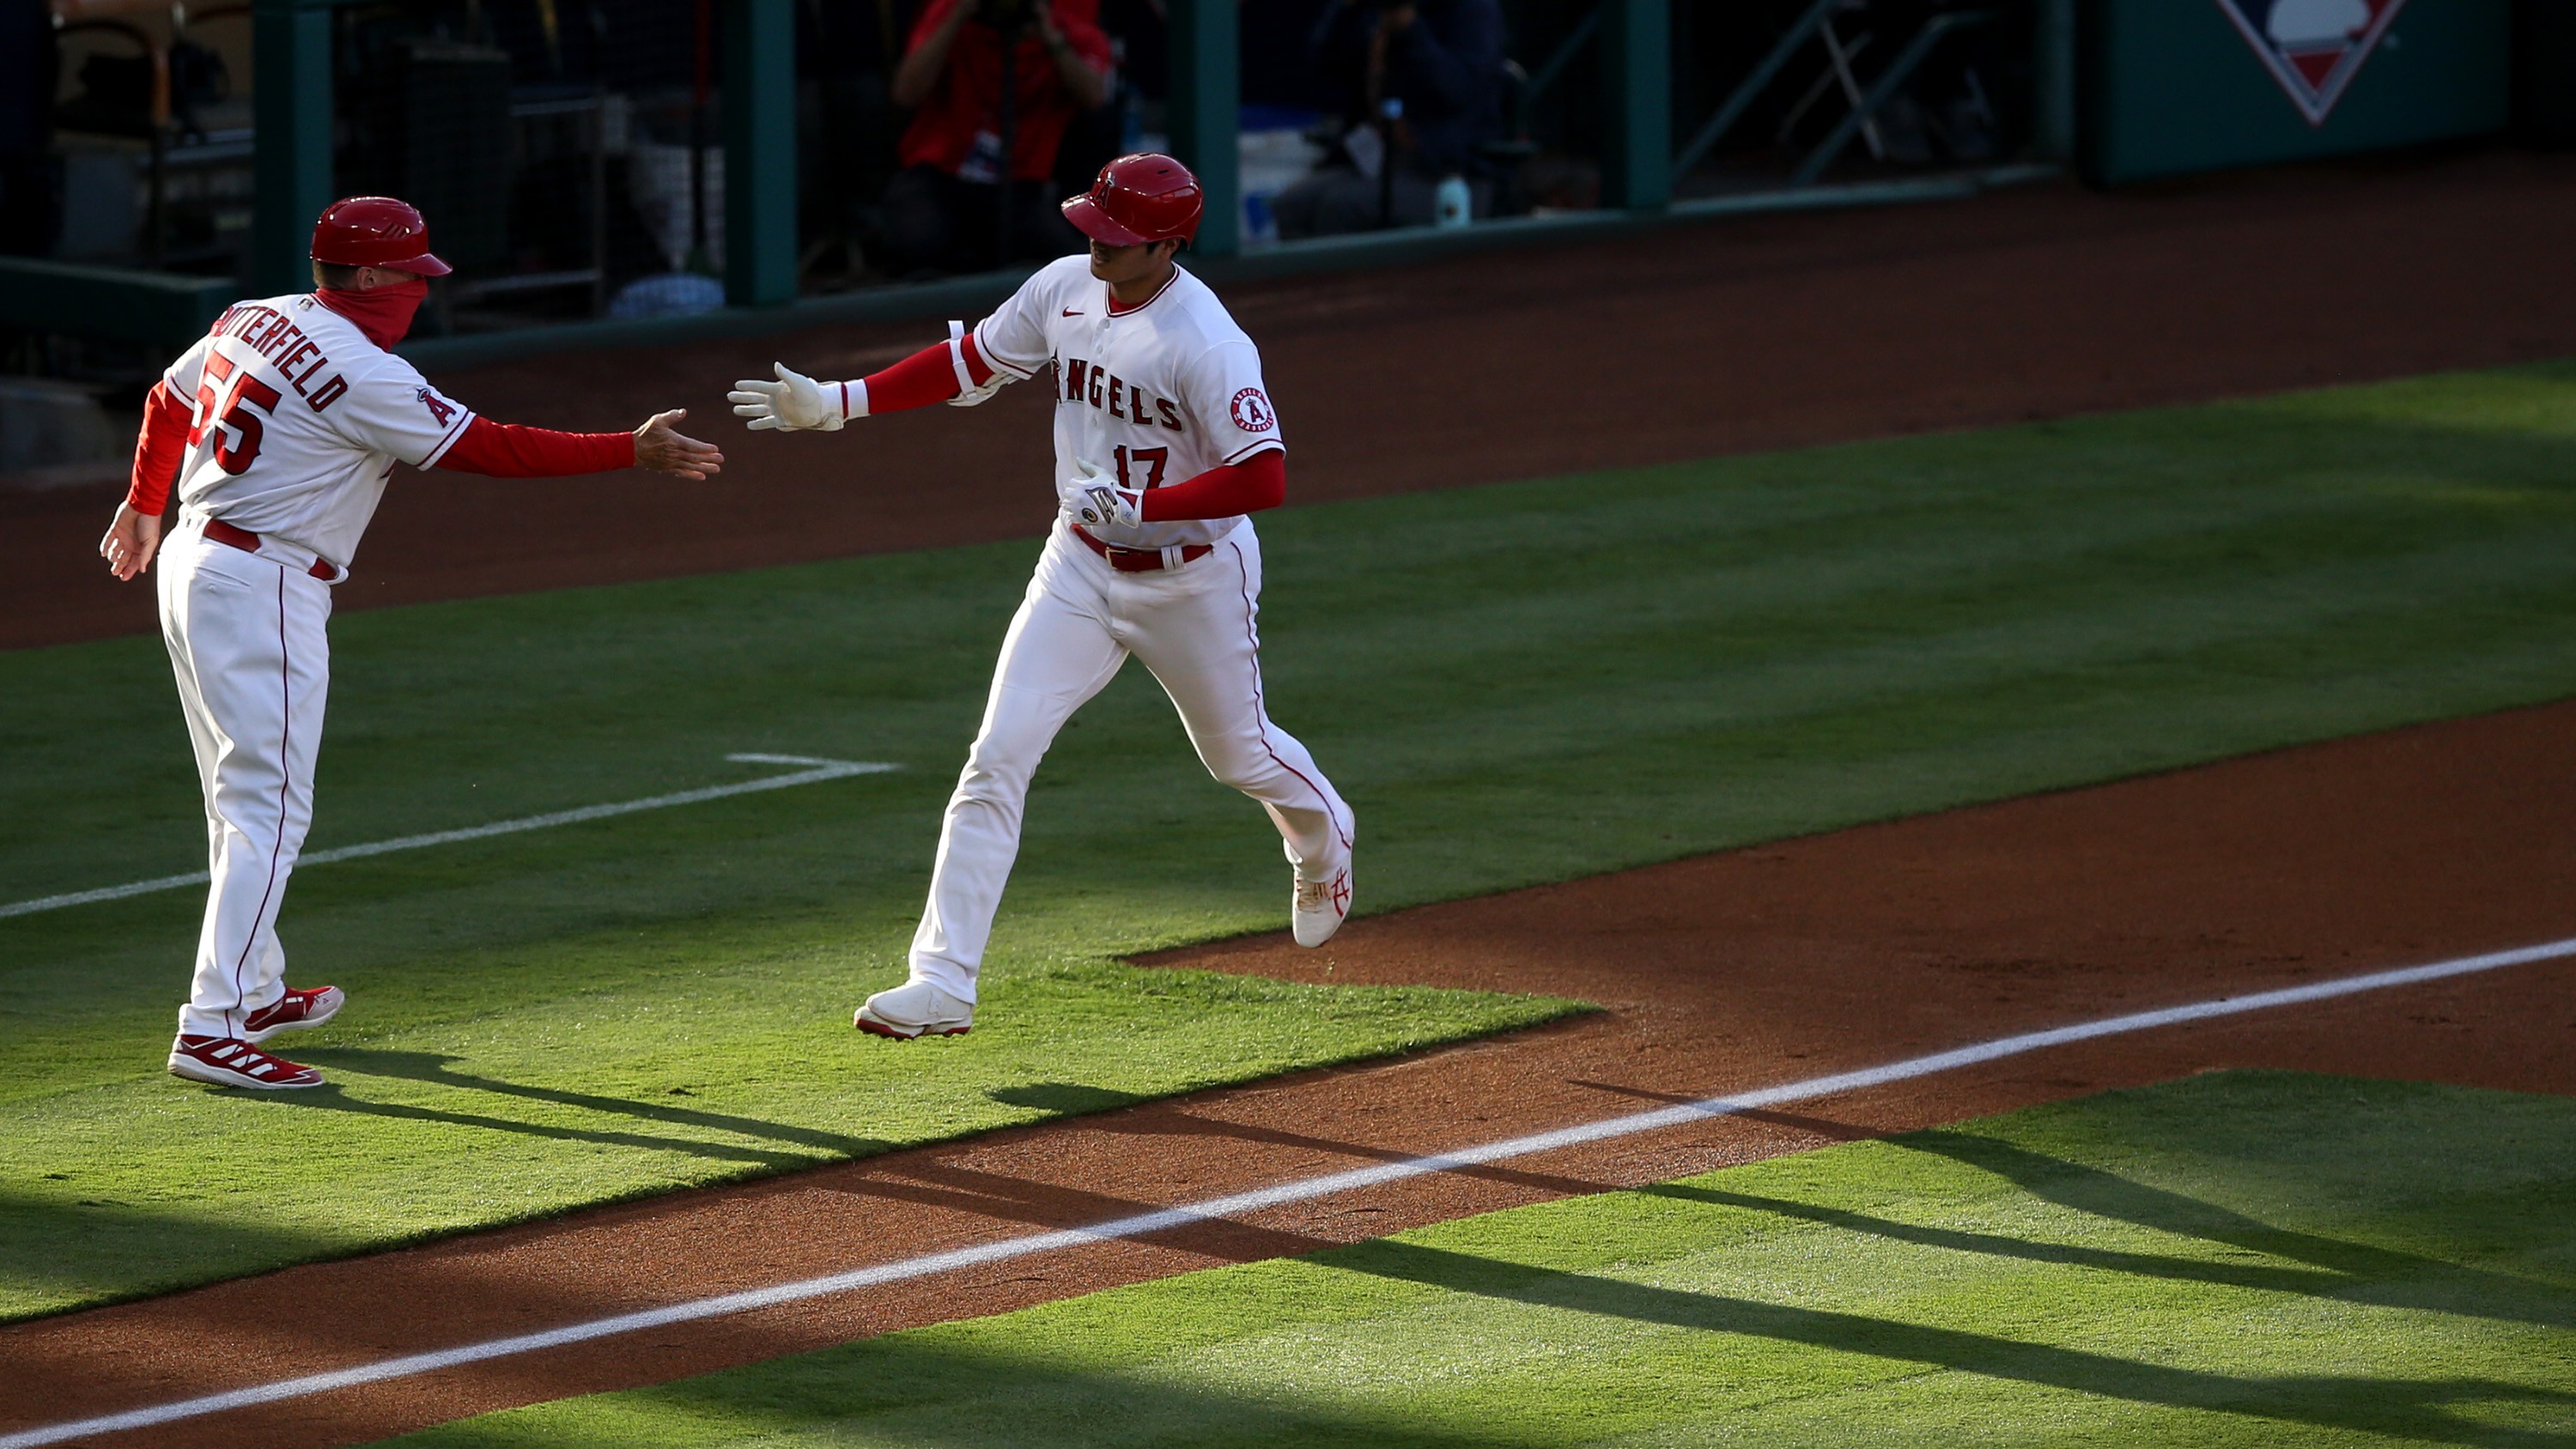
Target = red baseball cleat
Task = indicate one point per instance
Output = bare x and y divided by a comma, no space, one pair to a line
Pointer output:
228,1061
311,1006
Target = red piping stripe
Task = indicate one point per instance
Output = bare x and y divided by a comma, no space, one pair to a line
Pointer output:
999,363
1115,310
447,442
1261,707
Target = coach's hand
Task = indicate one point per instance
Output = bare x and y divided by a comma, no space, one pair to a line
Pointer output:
131,541
794,401
663,449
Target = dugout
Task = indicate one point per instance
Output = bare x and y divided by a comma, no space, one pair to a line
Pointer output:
727,150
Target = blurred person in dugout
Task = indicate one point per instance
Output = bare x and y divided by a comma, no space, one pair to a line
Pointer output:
996,82
1419,87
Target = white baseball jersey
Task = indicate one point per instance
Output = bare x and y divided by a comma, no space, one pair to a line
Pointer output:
1154,394
298,421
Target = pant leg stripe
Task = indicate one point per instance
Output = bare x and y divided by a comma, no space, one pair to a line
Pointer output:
1261,707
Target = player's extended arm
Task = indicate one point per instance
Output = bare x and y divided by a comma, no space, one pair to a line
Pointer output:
1256,483
134,535
953,371
506,450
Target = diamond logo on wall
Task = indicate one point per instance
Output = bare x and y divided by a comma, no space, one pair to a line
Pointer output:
2312,47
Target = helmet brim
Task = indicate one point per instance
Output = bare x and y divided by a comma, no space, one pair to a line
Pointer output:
423,265
1092,221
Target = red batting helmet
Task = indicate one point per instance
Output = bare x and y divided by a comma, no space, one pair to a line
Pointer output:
375,231
1140,198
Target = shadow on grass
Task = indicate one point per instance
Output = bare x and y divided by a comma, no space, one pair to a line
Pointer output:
1070,1099
814,1146
928,1388
928,1391
2337,1268
79,1251
2416,1407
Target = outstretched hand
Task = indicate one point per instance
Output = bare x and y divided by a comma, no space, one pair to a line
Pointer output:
794,401
132,538
664,449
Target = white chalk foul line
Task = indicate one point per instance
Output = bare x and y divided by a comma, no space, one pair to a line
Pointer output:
1301,1190
816,772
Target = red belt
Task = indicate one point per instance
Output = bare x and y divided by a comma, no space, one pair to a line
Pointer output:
1139,560
248,542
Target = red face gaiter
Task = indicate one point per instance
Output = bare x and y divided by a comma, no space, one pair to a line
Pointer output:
383,313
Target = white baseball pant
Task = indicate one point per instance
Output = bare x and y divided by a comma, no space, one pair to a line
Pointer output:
1196,627
247,640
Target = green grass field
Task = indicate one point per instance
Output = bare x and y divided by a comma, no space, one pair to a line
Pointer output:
1513,684
2255,1259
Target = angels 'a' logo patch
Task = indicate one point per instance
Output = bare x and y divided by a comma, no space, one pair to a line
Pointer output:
439,407
1252,411
2312,47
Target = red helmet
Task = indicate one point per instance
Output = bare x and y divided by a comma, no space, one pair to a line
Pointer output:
1140,198
375,231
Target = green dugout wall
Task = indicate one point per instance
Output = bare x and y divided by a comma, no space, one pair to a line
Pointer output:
2171,86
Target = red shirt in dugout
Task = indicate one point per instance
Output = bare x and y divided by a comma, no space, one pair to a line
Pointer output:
959,128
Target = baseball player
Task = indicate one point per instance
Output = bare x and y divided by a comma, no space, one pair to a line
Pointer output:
279,428
1164,440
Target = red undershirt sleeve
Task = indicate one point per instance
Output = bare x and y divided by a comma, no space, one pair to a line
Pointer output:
1256,483
506,450
158,450
924,378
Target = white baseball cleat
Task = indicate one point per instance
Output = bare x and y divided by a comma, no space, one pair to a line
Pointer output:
916,1008
1318,907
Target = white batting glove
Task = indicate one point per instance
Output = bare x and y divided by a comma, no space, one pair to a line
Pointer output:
978,395
1096,501
793,402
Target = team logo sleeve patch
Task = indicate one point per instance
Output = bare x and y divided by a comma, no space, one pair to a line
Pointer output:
393,409
1252,411
2313,48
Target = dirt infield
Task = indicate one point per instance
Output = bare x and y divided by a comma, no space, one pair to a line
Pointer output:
1720,974
1753,333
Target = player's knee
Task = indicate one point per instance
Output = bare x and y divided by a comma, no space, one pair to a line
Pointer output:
1240,768
991,784
996,773
1006,754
